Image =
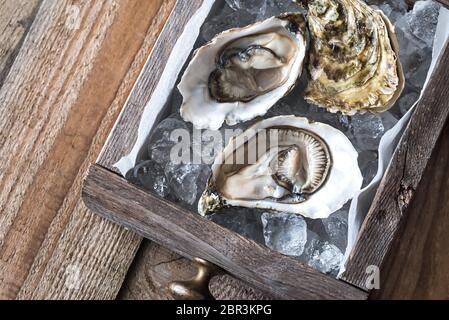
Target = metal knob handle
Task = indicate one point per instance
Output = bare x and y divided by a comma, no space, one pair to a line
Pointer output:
196,288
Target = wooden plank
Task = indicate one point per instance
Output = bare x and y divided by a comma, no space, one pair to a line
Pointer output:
16,17
114,198
59,100
124,134
402,177
155,267
417,266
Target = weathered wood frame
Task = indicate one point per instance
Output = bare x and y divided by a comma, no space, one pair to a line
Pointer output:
111,196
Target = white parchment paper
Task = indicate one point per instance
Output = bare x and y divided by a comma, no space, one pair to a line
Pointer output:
178,58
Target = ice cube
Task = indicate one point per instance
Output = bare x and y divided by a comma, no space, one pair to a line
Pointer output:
182,179
423,21
254,7
336,227
206,145
415,32
337,120
367,130
285,232
161,142
323,256
392,9
151,176
246,222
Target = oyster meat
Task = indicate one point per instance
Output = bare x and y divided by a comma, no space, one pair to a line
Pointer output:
354,65
286,164
243,72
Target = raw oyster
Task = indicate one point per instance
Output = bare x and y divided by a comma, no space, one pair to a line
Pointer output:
243,72
354,65
286,164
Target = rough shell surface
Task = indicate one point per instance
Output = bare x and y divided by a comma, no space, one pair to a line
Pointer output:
354,63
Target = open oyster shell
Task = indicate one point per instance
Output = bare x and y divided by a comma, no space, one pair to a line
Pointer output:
354,63
243,72
286,164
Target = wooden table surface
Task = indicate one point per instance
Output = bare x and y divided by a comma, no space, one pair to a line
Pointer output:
66,69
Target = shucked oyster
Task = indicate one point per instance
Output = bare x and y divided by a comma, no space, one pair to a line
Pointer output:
354,63
286,164
243,72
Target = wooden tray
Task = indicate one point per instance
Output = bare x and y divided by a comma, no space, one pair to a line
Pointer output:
190,235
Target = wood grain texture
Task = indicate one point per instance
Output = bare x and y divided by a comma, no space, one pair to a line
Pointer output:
417,267
114,198
16,17
155,267
124,134
59,100
402,177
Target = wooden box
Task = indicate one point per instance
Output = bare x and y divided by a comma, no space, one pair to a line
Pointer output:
111,196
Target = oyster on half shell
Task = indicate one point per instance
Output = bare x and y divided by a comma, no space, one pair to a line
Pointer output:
286,164
243,72
354,64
